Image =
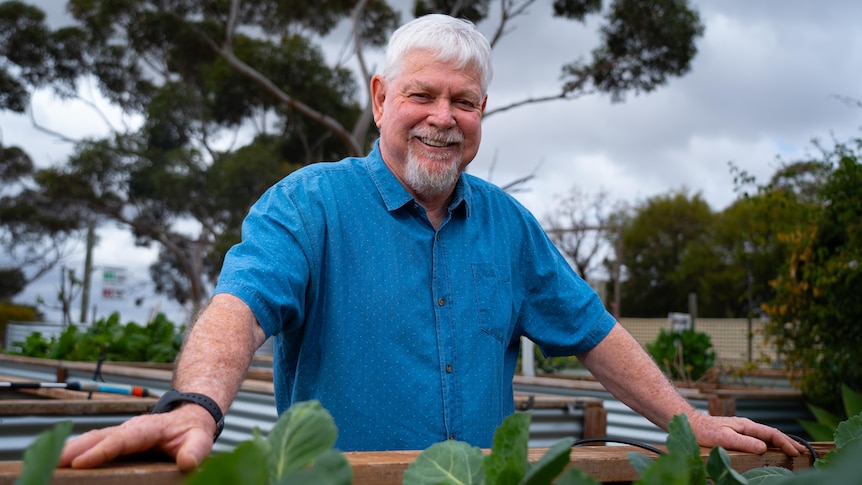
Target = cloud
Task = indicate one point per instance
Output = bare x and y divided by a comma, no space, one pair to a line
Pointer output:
761,86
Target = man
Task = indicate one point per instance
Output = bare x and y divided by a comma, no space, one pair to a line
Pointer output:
396,288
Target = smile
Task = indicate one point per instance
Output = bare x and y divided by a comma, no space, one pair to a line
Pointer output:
437,143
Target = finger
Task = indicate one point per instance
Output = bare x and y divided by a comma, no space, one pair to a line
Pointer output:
76,446
732,439
768,435
133,436
778,439
788,445
194,450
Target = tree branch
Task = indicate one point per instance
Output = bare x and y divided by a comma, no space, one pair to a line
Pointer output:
360,129
508,11
324,120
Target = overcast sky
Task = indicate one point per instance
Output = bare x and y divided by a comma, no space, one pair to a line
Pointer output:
762,86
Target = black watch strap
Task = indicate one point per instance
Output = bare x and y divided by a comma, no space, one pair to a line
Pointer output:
174,398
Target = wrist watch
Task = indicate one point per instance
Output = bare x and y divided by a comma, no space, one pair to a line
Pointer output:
174,398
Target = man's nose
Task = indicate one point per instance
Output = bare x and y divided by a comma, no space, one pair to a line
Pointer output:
442,113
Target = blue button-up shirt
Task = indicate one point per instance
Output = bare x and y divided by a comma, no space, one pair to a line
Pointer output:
406,334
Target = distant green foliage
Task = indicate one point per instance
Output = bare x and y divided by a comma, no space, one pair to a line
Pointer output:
814,317
685,355
158,341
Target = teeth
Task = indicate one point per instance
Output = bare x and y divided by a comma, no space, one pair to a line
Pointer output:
434,143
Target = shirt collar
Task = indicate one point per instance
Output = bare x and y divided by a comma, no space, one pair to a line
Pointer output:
394,194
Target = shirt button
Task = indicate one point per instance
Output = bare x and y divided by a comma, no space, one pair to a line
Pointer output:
451,436
448,367
441,301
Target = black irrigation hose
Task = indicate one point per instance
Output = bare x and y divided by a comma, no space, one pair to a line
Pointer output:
806,444
621,441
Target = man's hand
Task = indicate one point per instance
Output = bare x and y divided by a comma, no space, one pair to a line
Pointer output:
185,433
740,434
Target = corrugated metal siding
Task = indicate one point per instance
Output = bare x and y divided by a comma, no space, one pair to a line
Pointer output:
624,423
249,410
18,432
548,426
256,409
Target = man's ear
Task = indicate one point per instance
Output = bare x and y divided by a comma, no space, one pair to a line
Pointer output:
378,96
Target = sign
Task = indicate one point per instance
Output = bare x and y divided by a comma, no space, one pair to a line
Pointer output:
113,283
679,321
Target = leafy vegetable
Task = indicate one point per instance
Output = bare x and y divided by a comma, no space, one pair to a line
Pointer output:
720,470
41,457
507,462
551,464
158,341
298,450
681,441
455,462
447,462
766,475
246,464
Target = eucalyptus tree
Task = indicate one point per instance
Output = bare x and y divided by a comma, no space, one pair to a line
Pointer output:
232,95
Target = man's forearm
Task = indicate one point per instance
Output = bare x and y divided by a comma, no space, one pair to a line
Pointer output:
218,350
629,373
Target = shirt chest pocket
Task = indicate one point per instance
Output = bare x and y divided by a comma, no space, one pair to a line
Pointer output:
493,291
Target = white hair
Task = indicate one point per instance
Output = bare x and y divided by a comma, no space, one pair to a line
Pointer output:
448,38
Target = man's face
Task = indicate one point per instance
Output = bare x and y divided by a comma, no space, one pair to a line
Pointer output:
430,122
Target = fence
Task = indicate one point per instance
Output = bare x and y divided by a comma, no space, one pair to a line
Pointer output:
729,338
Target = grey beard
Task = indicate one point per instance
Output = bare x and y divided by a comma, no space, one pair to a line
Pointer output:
430,183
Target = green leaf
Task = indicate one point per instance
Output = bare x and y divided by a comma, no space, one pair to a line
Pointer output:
681,441
681,438
447,462
847,435
301,434
639,461
41,457
824,417
768,475
670,469
844,468
848,431
507,462
720,469
552,463
330,468
852,400
246,464
575,476
818,431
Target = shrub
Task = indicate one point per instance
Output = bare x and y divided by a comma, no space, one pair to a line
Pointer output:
684,355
